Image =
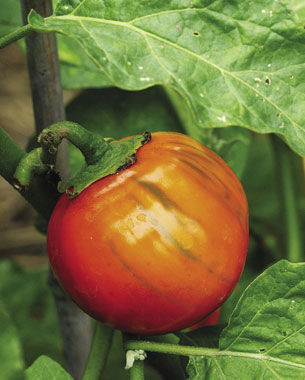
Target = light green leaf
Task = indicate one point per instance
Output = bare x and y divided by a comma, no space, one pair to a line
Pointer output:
238,63
76,69
11,362
265,337
45,368
299,7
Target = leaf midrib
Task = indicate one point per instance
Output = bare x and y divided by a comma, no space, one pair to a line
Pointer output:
163,40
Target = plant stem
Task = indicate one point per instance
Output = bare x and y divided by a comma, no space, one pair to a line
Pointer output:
90,144
10,156
15,35
169,367
167,348
136,372
43,66
100,347
35,162
287,185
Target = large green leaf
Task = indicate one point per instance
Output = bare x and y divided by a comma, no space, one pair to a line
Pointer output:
265,337
45,368
234,63
11,361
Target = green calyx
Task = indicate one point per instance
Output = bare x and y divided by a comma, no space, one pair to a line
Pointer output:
103,156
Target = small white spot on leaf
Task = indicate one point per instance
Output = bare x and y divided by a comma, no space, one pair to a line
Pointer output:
222,118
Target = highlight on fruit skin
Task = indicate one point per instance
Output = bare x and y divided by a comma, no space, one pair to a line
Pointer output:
157,246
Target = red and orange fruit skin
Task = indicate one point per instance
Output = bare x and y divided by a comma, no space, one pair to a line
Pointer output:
157,246
211,320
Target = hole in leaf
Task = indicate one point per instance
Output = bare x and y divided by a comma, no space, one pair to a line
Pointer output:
268,81
262,350
196,34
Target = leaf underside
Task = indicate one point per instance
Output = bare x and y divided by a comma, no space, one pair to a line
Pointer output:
234,63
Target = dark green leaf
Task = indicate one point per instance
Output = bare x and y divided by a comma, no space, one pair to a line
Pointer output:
11,362
45,368
116,113
238,63
10,16
207,336
31,307
265,337
264,189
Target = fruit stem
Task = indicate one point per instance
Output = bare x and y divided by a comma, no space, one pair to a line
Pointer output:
137,370
35,162
168,348
90,144
10,156
100,347
15,35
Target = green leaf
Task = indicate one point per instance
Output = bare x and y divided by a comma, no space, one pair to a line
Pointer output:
45,368
76,69
238,63
263,189
10,348
261,186
299,7
10,16
207,336
265,337
115,113
31,307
